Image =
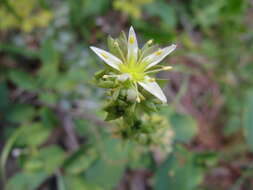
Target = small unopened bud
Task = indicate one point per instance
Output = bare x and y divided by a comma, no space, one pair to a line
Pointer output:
123,77
116,43
150,42
131,95
138,99
166,68
16,152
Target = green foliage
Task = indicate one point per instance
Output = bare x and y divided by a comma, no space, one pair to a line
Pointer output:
131,7
20,14
34,135
184,127
248,121
180,171
26,181
114,160
166,12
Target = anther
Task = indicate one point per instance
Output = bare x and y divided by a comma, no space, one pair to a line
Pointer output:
109,76
150,42
166,68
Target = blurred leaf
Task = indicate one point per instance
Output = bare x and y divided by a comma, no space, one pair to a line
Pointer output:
111,167
132,8
34,135
49,118
179,172
4,99
232,126
7,149
23,79
14,49
47,160
184,126
26,181
49,98
248,120
21,113
48,73
60,181
53,157
92,7
80,161
163,10
207,13
79,183
160,36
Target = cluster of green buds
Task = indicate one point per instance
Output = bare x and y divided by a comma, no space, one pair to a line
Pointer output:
151,130
133,91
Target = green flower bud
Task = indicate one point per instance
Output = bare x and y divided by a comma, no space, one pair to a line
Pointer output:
123,92
107,84
123,77
131,95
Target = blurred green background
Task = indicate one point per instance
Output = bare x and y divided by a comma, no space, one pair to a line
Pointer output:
53,136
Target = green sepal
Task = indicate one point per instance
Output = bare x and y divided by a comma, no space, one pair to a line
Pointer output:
150,106
147,50
122,41
99,74
107,84
116,94
111,116
111,46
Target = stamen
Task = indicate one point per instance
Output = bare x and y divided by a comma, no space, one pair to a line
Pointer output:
120,51
109,76
148,43
166,68
137,92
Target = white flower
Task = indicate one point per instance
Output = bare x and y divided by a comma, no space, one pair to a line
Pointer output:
135,67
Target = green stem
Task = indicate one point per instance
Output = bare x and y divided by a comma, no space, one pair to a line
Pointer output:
6,151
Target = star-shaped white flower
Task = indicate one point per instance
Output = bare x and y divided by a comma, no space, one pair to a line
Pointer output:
136,68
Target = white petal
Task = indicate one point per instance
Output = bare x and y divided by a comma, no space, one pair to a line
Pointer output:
154,89
107,57
158,56
132,49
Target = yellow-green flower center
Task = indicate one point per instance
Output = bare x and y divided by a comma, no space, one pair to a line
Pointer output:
136,71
